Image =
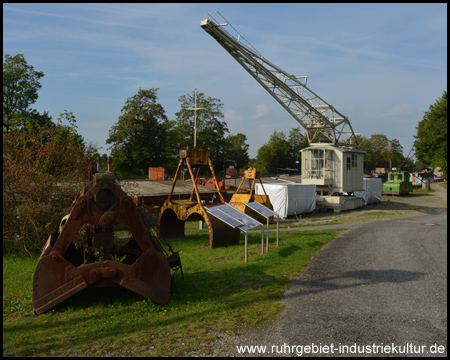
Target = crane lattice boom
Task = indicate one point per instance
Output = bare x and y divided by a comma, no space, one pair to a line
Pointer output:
319,118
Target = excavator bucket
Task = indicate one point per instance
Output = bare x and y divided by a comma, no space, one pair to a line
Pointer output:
141,265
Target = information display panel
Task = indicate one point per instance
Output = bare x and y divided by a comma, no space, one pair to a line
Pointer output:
221,215
233,217
260,209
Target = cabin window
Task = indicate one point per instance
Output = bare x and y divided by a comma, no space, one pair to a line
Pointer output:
391,177
328,170
317,164
399,177
354,162
348,163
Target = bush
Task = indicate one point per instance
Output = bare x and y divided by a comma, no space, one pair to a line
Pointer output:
41,175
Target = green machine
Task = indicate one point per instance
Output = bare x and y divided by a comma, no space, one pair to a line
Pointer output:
398,183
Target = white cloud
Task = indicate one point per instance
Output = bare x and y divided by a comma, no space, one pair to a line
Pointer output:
400,109
261,111
232,115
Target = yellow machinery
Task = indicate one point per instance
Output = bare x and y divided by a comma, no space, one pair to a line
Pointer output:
238,200
174,213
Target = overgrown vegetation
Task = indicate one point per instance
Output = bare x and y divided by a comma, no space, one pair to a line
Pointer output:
220,292
40,180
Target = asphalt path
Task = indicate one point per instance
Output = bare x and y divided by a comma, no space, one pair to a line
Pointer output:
380,287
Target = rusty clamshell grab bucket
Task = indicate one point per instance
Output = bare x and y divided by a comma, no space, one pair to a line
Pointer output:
141,265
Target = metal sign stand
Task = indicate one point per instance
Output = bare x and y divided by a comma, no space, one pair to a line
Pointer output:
237,219
267,213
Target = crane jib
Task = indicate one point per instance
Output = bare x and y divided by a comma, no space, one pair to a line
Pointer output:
317,116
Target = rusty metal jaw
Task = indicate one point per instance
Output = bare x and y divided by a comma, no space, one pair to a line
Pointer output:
56,279
64,269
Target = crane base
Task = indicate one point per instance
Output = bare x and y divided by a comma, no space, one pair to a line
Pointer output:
339,203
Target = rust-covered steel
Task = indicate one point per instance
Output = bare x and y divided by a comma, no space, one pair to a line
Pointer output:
174,213
238,200
141,265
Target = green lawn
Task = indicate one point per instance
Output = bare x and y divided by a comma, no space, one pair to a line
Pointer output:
220,292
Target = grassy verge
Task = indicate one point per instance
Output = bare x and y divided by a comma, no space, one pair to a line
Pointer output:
220,292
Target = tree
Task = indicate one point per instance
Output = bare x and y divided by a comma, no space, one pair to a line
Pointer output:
138,138
409,165
64,132
364,145
281,151
238,150
385,152
275,154
29,121
431,138
381,152
20,90
211,129
297,142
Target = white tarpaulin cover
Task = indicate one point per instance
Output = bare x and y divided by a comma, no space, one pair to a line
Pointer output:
290,198
372,189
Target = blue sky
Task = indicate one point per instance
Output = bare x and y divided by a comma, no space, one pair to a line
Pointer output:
381,65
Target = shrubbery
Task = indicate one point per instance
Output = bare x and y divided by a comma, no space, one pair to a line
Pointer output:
41,176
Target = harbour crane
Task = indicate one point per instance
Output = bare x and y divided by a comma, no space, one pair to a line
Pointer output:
333,161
